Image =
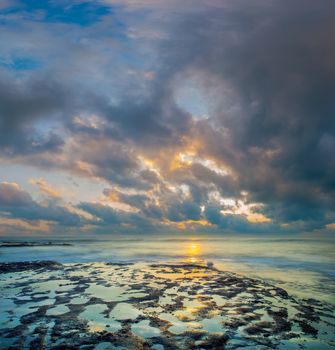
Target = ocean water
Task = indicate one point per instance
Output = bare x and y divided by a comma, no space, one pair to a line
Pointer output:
303,264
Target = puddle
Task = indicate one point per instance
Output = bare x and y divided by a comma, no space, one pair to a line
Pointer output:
106,293
97,321
177,327
79,300
57,310
143,329
219,300
213,325
124,311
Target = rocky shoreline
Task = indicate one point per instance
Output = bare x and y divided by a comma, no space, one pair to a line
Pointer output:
8,244
46,305
28,265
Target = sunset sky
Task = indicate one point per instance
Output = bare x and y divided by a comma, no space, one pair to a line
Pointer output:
164,116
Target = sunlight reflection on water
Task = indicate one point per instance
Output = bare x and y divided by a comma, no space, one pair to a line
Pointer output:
192,252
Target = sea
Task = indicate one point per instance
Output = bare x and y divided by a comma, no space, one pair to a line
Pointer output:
304,265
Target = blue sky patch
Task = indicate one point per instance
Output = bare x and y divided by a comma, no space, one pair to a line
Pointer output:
83,14
21,63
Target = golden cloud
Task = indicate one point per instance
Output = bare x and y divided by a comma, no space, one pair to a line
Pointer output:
330,226
45,187
39,225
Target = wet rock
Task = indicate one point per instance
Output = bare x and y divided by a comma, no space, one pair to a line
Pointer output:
280,317
28,265
32,244
259,328
307,328
65,347
215,342
34,316
37,343
281,292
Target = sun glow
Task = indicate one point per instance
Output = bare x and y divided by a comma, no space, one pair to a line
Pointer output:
192,252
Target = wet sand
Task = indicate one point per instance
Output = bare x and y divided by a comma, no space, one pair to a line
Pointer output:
47,305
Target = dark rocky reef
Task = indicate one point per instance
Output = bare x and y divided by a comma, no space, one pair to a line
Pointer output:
28,265
33,244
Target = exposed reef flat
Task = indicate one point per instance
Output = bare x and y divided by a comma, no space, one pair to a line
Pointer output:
137,306
32,244
27,265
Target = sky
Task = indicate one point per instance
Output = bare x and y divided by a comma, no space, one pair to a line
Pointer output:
156,116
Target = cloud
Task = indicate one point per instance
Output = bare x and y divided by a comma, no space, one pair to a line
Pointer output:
45,188
14,226
15,203
23,104
11,195
7,4
265,72
330,226
271,65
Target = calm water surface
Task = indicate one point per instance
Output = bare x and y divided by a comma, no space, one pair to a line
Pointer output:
304,265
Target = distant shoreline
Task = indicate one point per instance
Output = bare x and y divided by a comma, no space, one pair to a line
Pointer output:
7,244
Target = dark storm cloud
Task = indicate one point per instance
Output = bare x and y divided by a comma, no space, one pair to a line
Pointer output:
235,223
183,211
31,107
20,107
274,65
115,221
155,122
224,183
